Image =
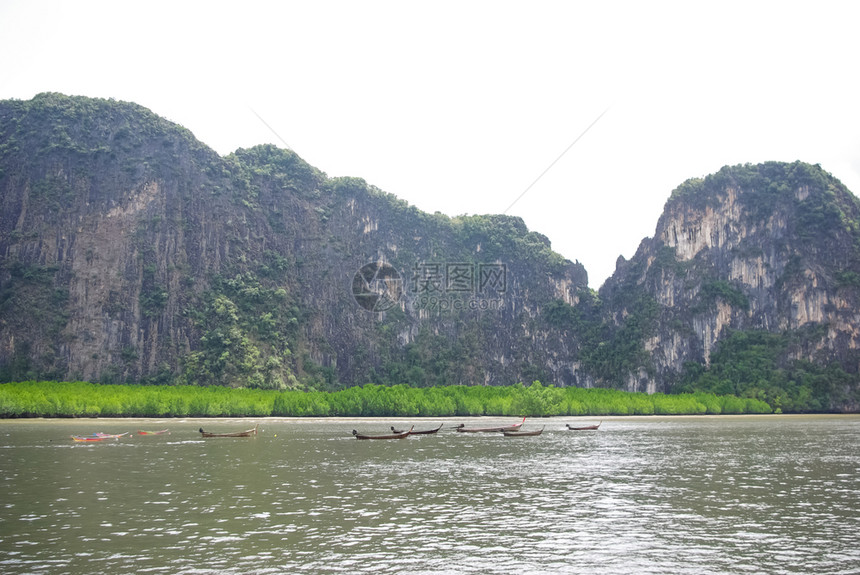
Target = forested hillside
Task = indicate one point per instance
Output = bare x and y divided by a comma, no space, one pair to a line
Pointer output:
134,253
750,286
130,252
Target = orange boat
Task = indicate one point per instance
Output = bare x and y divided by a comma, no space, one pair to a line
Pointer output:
98,436
89,438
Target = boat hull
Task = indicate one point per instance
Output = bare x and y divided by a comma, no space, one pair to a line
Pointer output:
583,427
515,427
246,433
401,435
523,433
422,432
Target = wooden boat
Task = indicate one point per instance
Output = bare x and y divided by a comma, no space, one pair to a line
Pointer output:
399,435
523,433
89,438
463,429
109,435
161,432
583,428
422,432
246,433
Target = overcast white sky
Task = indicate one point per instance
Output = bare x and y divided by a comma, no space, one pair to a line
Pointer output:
458,107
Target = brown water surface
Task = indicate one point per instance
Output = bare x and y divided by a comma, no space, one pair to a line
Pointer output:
751,494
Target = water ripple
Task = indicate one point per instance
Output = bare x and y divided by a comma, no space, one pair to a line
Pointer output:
648,495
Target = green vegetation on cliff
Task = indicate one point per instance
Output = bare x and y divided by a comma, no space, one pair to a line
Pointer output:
777,246
134,254
190,268
753,364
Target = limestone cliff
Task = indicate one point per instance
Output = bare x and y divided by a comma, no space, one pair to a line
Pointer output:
769,248
132,252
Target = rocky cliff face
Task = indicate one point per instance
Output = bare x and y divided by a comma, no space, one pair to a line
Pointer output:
131,252
772,248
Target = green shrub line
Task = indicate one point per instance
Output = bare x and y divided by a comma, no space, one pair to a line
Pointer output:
83,399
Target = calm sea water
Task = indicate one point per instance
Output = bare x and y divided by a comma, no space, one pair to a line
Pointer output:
775,494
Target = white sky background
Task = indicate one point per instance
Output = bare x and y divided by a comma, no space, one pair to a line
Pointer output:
458,106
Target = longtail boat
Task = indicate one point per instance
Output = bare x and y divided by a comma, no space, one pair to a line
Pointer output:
246,433
422,432
161,432
583,427
109,435
89,438
523,433
399,435
463,429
